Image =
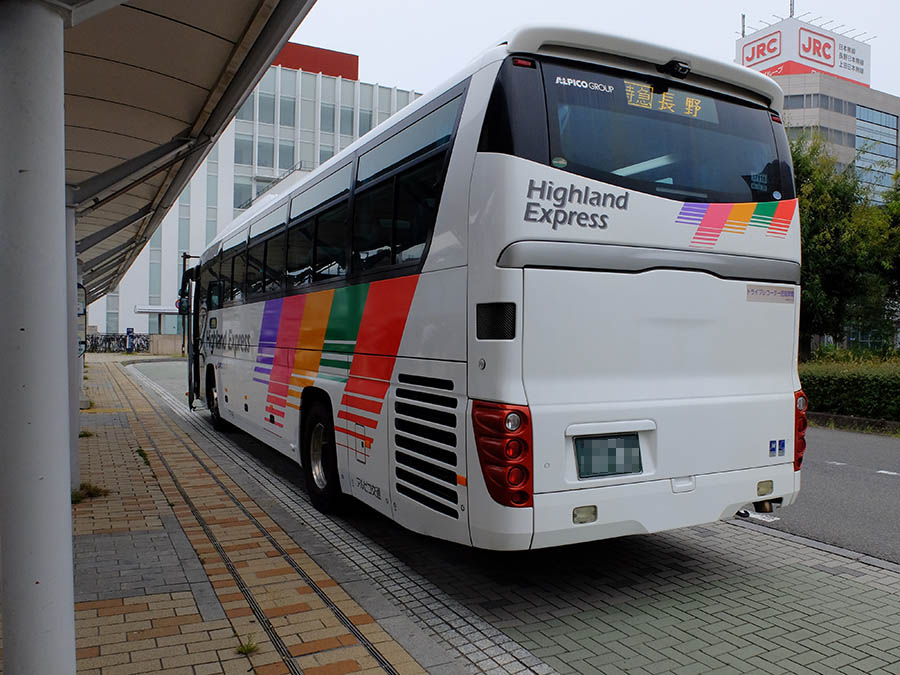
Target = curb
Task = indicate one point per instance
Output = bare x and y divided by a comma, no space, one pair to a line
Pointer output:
853,423
818,545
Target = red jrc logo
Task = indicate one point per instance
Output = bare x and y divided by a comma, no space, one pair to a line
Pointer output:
765,48
817,47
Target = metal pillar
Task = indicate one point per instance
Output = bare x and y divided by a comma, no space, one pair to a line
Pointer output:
74,359
35,511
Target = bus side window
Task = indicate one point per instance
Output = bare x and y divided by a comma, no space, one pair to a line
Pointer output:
255,261
211,285
515,122
208,276
301,239
238,276
274,267
416,140
418,195
331,243
214,295
373,221
225,276
393,219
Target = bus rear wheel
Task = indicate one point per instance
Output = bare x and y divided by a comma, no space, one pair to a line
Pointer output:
318,456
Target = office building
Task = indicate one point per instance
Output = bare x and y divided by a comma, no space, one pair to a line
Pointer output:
308,106
825,77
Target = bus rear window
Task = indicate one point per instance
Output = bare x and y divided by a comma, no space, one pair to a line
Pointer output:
648,135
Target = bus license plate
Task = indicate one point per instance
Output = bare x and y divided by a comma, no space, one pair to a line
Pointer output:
598,456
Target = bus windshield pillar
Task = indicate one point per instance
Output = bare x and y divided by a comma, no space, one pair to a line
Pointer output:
36,585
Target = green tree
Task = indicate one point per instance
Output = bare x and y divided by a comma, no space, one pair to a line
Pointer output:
849,246
891,210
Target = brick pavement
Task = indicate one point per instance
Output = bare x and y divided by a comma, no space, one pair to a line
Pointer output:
177,566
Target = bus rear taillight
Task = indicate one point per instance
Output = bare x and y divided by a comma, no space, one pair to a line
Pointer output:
801,403
503,439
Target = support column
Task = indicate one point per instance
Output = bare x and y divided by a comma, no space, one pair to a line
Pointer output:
75,376
35,511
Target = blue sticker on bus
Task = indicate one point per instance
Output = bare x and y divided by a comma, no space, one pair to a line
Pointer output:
771,448
781,448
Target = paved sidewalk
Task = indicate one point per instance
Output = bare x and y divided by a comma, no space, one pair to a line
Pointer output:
211,542
178,567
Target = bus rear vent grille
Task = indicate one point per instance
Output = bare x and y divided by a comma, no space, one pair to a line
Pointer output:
425,440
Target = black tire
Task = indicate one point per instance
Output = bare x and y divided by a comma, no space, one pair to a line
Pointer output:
318,456
212,403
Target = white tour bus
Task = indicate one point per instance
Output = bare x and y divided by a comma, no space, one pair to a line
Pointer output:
554,301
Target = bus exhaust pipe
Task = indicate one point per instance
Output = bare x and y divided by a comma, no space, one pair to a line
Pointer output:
763,507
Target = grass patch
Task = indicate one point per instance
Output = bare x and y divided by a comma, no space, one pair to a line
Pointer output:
247,647
88,491
85,434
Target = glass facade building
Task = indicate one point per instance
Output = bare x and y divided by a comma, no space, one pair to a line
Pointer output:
876,143
296,120
293,121
858,123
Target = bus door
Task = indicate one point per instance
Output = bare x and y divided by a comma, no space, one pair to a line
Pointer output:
189,306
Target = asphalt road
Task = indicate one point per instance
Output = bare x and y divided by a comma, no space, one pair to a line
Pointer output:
850,495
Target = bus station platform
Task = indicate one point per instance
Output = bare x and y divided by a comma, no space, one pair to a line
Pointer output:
179,570
206,544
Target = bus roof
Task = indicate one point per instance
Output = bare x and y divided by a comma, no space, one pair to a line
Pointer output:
556,41
573,43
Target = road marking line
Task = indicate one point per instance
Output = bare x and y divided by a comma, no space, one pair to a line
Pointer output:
765,517
889,473
837,463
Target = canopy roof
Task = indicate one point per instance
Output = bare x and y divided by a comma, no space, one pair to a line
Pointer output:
150,85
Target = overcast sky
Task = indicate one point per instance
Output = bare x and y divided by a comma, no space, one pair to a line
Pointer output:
417,44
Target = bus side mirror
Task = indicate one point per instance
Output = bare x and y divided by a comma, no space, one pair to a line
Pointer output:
183,304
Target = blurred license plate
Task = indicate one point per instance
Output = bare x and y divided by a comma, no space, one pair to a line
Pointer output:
607,455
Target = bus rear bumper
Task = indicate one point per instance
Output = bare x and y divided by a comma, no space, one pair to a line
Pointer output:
654,506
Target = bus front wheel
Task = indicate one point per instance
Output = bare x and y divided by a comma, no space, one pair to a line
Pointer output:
212,402
319,459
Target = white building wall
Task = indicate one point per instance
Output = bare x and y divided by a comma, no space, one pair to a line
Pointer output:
132,285
134,289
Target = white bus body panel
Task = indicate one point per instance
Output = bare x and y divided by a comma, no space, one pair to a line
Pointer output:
702,368
653,506
684,349
500,199
436,326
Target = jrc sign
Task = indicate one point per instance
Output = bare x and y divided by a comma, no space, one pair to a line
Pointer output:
792,47
762,49
817,47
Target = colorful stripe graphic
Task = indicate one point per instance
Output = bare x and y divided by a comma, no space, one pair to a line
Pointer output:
711,220
349,335
380,330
